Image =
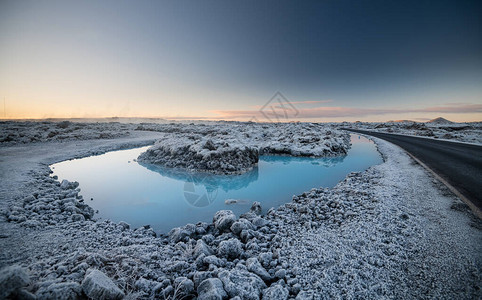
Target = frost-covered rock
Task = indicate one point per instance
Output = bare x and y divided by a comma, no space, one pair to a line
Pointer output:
254,266
184,286
256,208
60,291
211,289
231,248
235,148
275,292
239,282
145,285
96,285
240,225
67,185
213,260
124,225
12,279
265,258
200,154
78,217
178,266
57,204
304,295
281,273
231,201
202,248
223,220
178,234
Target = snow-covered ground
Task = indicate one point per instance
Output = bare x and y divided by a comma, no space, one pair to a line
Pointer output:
235,148
437,129
389,232
12,133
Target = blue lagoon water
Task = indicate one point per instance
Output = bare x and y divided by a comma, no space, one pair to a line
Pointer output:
124,190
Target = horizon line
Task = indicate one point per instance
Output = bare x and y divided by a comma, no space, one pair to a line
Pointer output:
179,119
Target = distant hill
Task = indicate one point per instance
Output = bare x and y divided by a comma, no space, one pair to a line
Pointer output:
440,120
401,121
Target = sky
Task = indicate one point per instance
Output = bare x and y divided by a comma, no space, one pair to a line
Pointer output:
242,60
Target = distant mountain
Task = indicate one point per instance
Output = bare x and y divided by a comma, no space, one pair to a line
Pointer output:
401,121
440,120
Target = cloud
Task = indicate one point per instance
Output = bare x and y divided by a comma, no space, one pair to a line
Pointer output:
336,112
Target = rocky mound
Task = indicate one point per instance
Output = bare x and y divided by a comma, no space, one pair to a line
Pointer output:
195,153
236,149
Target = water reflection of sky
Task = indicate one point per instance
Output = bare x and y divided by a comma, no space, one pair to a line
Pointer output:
124,190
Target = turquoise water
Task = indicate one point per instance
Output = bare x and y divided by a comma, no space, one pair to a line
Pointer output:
124,190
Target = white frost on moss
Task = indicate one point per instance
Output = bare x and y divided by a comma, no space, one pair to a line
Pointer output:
237,149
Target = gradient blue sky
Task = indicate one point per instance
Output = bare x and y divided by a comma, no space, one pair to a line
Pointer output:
337,60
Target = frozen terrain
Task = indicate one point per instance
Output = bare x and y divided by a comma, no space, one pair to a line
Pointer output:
389,232
25,132
236,148
438,128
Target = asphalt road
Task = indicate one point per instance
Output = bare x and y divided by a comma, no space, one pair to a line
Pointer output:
457,163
